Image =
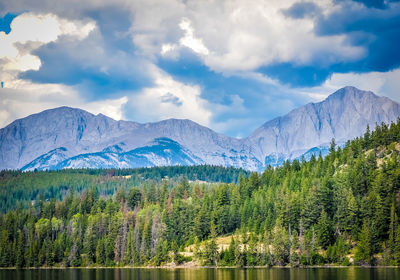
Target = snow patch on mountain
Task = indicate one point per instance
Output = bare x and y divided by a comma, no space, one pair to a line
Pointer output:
73,138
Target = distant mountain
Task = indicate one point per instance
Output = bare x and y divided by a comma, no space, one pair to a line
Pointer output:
160,152
66,137
344,115
73,138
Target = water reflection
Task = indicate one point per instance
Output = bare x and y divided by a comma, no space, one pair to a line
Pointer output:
350,273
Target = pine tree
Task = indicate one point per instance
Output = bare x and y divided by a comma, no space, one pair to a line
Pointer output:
363,252
161,252
134,197
294,248
20,250
176,256
130,248
211,248
100,252
252,251
396,248
280,245
89,245
392,232
5,250
230,253
325,231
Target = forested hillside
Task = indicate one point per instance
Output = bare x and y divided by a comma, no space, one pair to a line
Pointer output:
21,189
338,209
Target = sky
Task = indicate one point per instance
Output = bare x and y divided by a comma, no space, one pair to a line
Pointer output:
230,65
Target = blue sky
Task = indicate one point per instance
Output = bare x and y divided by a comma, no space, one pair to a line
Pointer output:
229,65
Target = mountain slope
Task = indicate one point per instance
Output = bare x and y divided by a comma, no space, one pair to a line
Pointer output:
160,152
344,115
67,137
81,133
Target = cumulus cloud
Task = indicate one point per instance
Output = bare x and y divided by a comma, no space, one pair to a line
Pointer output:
32,31
382,83
302,10
170,99
20,97
187,40
27,98
229,64
243,35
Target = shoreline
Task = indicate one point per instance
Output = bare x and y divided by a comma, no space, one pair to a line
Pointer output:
195,267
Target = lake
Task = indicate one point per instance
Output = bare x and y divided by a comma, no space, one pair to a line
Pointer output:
350,273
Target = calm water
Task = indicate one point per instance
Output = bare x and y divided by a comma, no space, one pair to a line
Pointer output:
350,273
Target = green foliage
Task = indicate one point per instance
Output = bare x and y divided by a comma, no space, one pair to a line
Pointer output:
134,197
337,252
280,244
363,254
325,231
25,188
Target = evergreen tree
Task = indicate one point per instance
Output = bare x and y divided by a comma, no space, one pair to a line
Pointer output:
100,252
5,250
396,248
325,231
211,248
294,249
19,252
280,244
363,252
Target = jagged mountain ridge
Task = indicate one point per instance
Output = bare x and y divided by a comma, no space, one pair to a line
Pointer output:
72,138
26,142
344,115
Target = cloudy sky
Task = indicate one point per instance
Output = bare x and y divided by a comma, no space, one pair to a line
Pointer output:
229,65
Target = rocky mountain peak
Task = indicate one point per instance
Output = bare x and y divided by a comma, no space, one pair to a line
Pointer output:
68,137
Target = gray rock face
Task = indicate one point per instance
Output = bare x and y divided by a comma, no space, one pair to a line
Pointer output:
89,140
344,115
73,138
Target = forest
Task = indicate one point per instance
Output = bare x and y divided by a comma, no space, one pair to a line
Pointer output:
342,209
19,188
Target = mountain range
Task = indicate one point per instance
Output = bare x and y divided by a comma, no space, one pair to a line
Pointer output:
73,138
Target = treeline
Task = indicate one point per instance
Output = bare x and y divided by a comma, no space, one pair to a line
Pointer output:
19,188
327,210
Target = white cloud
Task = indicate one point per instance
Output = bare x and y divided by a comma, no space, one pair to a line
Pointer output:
239,35
110,107
171,99
27,98
246,36
20,98
189,40
167,48
234,37
30,31
22,63
155,23
381,83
